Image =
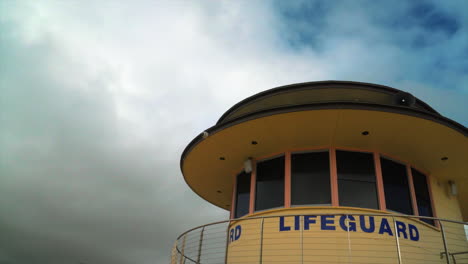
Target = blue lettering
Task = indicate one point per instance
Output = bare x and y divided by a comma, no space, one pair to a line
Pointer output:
238,232
363,224
308,220
231,235
413,232
282,227
235,233
324,220
297,223
401,228
351,226
385,227
346,222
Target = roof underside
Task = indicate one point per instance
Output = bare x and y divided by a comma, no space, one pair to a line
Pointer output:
417,135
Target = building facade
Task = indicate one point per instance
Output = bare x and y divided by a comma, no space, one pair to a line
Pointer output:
330,172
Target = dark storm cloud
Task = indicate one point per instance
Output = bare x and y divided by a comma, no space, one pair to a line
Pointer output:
75,187
98,101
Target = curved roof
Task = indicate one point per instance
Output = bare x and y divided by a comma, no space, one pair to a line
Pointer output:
323,114
321,92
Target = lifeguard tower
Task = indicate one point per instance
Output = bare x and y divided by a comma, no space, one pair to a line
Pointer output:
330,172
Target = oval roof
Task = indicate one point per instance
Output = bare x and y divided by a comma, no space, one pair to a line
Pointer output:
335,113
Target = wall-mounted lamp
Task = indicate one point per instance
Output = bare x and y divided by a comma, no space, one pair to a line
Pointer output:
248,165
453,188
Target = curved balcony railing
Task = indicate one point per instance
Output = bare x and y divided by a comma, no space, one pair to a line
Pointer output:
325,238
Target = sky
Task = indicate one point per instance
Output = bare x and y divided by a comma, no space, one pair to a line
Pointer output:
98,99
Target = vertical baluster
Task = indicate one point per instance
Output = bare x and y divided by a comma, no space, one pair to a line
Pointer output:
447,257
349,239
182,257
175,253
302,237
227,242
261,241
200,243
397,240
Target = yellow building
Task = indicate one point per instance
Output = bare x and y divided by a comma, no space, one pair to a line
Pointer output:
330,172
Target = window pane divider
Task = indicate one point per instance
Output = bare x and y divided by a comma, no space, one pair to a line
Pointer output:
412,191
334,178
287,179
380,184
253,181
353,180
233,200
429,187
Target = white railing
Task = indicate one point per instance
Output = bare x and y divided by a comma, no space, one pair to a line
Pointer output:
446,242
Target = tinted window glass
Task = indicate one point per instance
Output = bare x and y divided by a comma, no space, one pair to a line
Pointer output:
397,193
242,194
422,195
356,179
270,184
310,178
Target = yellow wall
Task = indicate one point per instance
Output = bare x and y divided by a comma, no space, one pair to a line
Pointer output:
446,205
319,245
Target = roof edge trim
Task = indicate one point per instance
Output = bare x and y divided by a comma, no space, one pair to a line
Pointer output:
296,86
325,106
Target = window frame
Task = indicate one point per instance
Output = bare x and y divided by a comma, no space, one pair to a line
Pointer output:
289,173
409,180
235,195
253,199
333,180
371,154
429,190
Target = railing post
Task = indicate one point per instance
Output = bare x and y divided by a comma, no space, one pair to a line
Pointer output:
200,243
261,241
182,257
302,237
397,240
227,242
445,242
174,253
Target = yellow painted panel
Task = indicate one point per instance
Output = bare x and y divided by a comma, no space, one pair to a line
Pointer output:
324,240
446,205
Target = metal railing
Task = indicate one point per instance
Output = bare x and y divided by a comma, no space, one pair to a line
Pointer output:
382,238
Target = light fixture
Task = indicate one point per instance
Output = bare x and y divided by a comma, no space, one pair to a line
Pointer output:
248,165
453,188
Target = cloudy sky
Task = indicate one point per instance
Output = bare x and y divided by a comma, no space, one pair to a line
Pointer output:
99,98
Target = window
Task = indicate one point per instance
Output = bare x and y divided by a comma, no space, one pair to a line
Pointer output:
310,178
242,194
270,184
423,199
396,187
356,179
